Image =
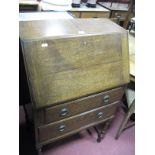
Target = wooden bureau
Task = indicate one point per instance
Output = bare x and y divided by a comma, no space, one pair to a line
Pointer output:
77,70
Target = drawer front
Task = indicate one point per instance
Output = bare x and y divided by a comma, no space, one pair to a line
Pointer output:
81,105
81,121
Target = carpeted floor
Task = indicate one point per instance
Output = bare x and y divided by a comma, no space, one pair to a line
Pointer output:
82,143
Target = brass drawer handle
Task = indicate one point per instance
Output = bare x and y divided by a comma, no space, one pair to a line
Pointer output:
62,128
100,115
106,98
63,112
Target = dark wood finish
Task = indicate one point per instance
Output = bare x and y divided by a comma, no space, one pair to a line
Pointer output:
101,130
81,105
28,8
76,71
24,96
28,5
62,127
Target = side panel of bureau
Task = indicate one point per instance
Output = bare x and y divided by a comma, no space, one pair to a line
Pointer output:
60,128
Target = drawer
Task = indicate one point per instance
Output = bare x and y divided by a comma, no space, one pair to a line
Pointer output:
76,123
81,105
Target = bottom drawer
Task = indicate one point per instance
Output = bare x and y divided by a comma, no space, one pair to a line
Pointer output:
64,127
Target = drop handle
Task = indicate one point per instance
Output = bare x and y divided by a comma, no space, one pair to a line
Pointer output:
100,115
63,112
106,98
62,128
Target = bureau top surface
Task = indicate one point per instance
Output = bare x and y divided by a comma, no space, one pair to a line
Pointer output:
64,28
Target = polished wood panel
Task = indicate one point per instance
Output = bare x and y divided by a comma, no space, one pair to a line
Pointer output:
76,71
81,105
67,28
62,127
59,67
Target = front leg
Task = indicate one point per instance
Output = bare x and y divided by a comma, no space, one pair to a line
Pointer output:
98,134
39,150
105,129
102,131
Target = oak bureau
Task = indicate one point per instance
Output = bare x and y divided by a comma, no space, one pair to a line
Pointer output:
77,70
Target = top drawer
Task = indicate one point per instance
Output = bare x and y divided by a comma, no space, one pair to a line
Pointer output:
81,105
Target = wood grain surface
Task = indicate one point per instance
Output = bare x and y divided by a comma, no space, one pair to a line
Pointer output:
65,28
53,130
81,105
67,65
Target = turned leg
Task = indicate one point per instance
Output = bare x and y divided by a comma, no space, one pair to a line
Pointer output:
98,134
39,150
101,133
89,132
105,129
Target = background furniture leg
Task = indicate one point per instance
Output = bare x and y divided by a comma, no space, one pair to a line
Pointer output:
126,118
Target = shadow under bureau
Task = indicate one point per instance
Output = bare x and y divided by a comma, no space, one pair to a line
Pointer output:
77,70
